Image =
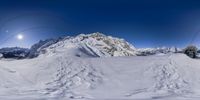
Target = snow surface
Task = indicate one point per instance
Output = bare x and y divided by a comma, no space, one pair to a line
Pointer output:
63,77
83,68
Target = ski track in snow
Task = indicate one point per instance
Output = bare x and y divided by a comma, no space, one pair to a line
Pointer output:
60,78
167,80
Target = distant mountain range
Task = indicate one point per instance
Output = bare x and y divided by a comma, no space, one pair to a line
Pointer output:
83,45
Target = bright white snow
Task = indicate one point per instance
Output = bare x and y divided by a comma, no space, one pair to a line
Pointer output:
61,76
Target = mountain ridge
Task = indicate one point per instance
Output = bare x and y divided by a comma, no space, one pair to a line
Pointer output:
84,45
94,45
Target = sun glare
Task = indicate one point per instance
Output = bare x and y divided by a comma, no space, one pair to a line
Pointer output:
20,37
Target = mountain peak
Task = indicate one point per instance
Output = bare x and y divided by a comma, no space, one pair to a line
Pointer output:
95,44
96,34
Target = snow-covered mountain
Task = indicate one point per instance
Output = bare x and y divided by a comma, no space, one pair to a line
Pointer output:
37,48
159,50
93,45
84,45
14,52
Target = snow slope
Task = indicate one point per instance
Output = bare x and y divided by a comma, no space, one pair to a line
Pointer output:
62,76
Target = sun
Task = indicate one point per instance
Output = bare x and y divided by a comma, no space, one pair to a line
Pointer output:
20,37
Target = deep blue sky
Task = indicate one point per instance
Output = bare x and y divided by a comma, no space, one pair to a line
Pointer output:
144,23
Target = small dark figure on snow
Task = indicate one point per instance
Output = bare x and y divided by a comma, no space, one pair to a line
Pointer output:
191,51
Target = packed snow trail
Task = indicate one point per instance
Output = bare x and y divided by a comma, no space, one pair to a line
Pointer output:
62,76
